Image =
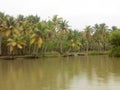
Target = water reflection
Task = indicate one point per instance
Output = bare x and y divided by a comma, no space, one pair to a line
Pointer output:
75,73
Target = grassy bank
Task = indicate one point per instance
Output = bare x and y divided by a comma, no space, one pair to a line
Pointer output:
97,52
55,54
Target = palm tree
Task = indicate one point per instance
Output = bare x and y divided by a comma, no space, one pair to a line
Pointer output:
2,29
63,26
105,32
74,40
100,35
56,22
62,31
36,40
9,26
17,41
19,20
48,33
28,26
37,36
88,35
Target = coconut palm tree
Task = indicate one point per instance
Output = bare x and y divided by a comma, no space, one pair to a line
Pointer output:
74,40
88,31
56,22
36,40
100,35
1,29
17,41
62,31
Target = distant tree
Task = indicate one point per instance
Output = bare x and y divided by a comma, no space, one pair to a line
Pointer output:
114,28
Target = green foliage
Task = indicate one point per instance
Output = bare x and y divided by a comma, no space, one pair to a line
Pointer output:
98,52
115,42
115,52
115,38
30,35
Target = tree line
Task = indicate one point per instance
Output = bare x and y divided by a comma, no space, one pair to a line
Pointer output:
29,35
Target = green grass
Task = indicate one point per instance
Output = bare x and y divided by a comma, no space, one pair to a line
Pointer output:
98,52
49,54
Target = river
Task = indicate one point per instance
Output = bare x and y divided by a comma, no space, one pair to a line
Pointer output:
64,73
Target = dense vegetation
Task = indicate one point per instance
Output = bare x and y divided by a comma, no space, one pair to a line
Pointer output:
115,42
31,36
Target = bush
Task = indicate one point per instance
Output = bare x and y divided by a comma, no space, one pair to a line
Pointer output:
115,52
114,40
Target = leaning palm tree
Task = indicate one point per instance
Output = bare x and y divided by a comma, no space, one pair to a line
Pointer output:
16,42
36,40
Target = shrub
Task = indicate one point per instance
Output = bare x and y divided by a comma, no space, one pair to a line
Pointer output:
115,51
114,40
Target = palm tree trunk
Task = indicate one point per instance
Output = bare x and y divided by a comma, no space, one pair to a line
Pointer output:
61,48
34,49
45,49
29,50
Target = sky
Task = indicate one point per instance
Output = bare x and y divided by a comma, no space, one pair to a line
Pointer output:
79,13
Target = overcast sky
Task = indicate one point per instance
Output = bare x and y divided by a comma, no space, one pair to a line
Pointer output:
79,13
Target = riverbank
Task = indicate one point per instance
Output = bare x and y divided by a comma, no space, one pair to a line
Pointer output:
54,54
98,53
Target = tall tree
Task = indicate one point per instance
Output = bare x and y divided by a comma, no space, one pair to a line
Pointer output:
88,36
2,16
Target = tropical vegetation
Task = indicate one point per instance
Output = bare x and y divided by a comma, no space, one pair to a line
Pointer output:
29,35
114,39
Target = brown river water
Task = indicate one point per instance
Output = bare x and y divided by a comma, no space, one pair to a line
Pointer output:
68,73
